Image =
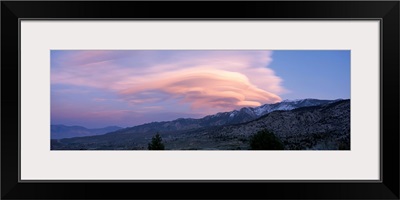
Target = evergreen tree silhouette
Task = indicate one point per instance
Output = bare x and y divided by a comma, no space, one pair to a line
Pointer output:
156,143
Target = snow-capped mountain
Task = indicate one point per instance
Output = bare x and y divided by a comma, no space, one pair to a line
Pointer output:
290,105
267,108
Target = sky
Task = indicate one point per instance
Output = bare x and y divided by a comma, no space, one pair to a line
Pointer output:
96,88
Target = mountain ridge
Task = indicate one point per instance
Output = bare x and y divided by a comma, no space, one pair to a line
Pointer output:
244,114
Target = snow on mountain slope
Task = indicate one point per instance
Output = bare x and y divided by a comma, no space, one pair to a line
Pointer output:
289,105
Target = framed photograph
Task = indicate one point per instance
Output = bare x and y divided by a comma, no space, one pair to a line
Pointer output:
214,98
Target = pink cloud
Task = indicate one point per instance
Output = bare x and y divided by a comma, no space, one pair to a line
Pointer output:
206,80
207,88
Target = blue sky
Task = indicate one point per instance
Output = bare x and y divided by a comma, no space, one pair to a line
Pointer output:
313,74
96,88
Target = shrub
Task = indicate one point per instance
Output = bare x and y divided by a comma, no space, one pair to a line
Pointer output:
344,146
265,140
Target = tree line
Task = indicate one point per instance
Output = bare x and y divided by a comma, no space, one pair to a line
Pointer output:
262,140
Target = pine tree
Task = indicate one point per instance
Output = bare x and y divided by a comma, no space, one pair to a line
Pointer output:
156,143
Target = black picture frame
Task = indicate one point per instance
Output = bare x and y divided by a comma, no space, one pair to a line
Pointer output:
386,11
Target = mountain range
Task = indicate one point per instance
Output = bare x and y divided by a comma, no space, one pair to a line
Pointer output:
62,131
300,124
224,118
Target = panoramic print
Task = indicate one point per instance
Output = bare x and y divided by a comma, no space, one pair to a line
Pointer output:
200,100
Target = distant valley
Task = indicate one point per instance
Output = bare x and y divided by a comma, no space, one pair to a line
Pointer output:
62,131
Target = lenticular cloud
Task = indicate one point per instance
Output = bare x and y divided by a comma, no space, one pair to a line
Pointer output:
216,80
